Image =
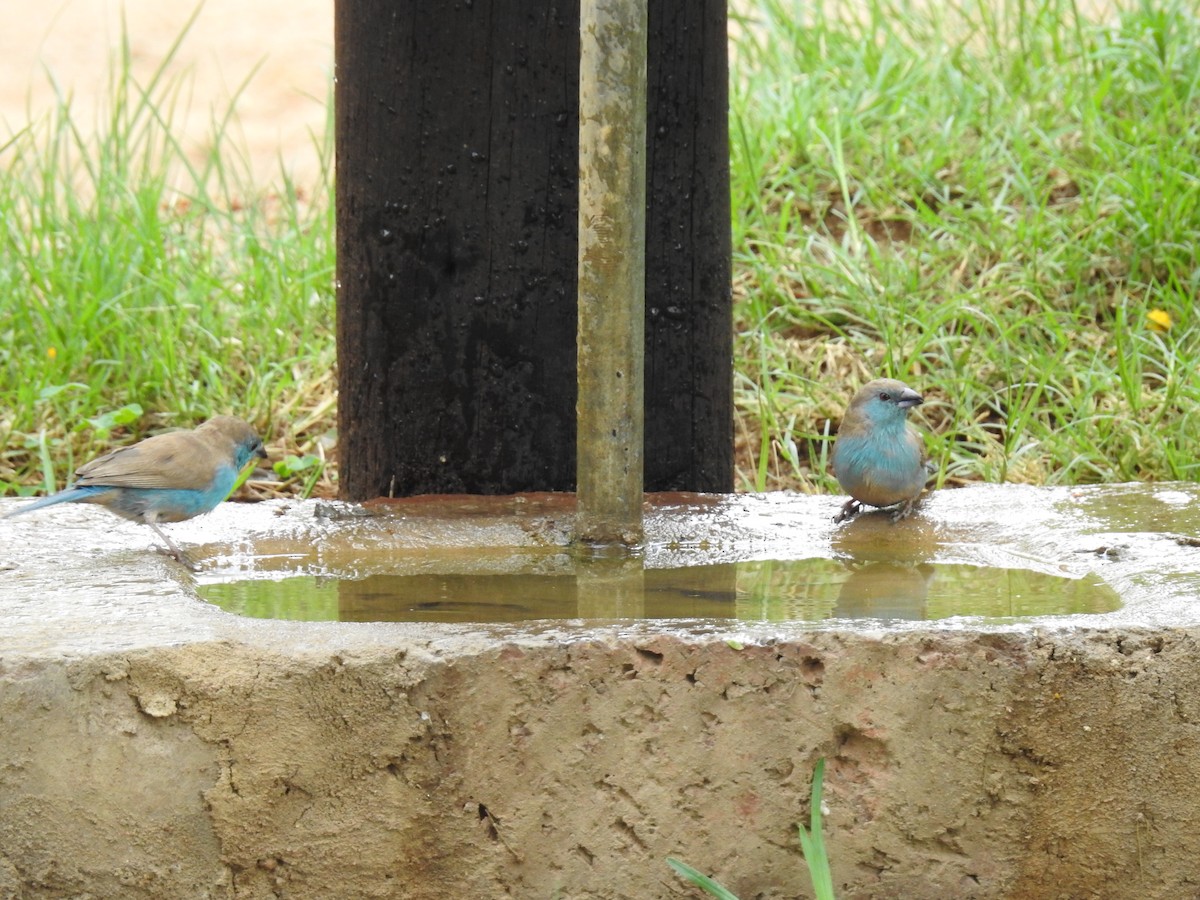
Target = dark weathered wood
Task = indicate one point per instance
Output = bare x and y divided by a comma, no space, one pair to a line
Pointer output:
456,151
689,321
457,145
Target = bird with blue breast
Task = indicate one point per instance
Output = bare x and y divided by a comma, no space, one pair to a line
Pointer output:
169,477
878,459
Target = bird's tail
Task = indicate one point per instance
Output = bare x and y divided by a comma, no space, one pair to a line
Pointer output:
70,495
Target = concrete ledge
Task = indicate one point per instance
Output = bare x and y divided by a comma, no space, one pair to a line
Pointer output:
154,746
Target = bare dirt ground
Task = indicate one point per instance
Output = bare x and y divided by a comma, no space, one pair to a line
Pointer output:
70,45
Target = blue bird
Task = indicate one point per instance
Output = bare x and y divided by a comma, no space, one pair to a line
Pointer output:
166,478
877,459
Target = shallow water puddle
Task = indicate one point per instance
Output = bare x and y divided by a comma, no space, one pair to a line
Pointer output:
553,586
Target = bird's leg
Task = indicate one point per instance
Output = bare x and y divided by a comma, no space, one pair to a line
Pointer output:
905,509
849,510
179,555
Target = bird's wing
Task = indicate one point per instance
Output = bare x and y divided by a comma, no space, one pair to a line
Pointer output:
927,464
177,460
918,440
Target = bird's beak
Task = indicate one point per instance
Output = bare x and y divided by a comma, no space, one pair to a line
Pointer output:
908,398
261,452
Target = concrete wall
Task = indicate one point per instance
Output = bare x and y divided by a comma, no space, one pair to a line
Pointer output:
152,746
958,765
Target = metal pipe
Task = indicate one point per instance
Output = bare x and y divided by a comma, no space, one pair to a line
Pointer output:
612,271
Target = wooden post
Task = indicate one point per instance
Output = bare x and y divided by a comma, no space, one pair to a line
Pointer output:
457,208
689,305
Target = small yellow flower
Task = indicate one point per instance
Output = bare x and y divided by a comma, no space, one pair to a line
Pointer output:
1159,319
52,353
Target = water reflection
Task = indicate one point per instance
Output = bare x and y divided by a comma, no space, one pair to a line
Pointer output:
761,590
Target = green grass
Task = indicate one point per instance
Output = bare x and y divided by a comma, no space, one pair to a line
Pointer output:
812,846
812,839
139,276
987,201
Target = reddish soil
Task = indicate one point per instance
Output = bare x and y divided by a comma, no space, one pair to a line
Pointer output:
69,46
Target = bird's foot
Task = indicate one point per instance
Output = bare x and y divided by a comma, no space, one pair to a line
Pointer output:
179,556
905,509
849,510
172,551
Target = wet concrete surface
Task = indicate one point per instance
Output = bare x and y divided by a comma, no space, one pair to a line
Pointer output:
155,745
75,579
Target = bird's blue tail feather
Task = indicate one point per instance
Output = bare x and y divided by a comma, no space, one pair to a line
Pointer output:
70,495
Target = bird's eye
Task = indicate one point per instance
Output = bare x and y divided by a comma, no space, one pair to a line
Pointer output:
885,396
